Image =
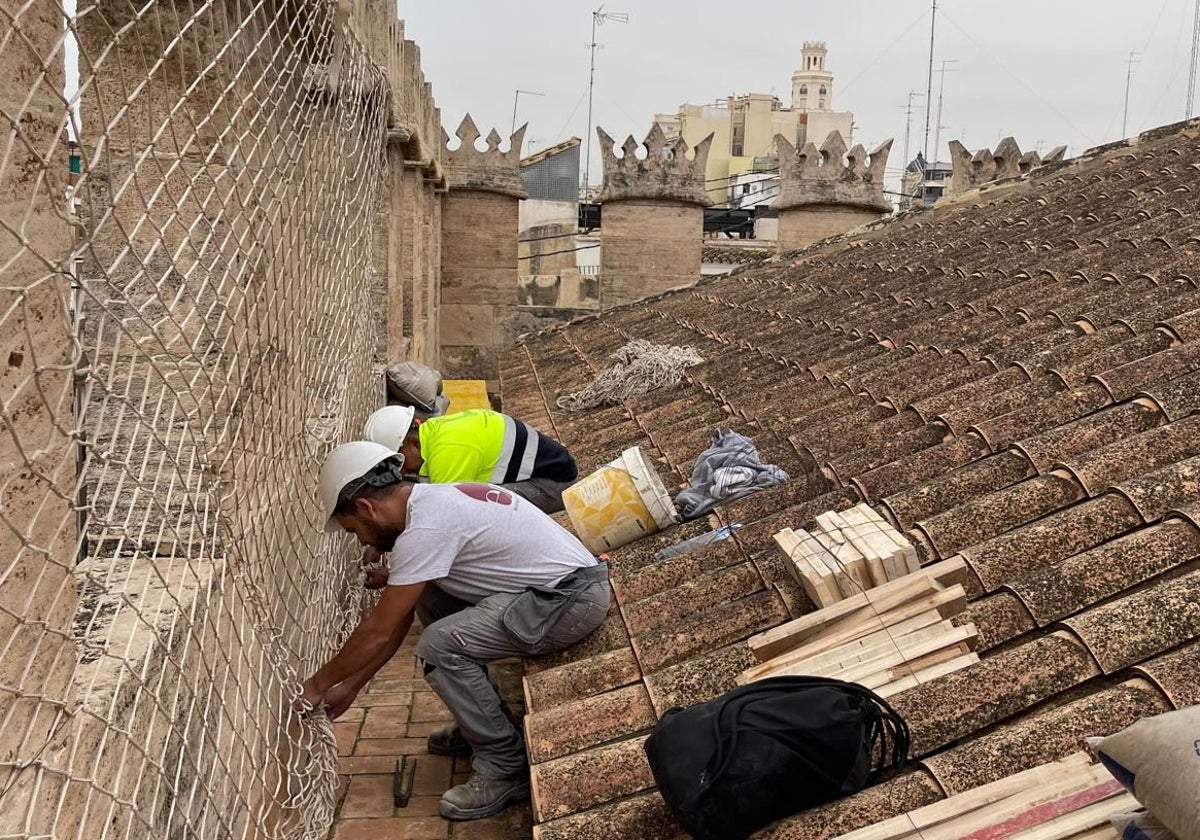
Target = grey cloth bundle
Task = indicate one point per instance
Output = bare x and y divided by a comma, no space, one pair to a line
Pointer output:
729,469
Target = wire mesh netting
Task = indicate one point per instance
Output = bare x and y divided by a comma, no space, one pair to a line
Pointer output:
187,326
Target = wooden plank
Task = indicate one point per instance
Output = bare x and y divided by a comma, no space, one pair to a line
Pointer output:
904,649
848,558
821,557
1061,818
910,824
910,553
873,549
888,653
861,607
867,532
982,819
816,580
945,603
927,675
877,645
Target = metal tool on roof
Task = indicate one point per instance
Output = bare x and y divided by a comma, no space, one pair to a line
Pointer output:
402,781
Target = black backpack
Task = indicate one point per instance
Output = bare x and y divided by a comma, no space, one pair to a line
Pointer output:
771,749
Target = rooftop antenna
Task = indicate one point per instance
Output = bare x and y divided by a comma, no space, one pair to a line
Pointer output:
907,134
1191,88
517,96
929,81
1132,60
599,16
937,136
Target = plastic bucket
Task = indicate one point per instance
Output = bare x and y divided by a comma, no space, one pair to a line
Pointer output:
619,503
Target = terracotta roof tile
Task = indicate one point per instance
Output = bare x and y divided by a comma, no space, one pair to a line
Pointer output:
1043,736
592,777
1175,674
580,724
999,618
1099,469
1052,538
1093,431
698,679
580,679
1132,349
644,816
943,493
881,802
1054,591
708,628
1178,397
966,415
611,635
1013,680
1126,380
1142,624
689,598
917,467
1061,407
653,577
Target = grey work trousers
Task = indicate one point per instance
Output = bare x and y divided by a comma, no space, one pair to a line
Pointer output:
544,493
458,641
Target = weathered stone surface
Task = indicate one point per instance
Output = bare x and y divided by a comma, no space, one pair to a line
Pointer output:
997,687
665,174
588,722
1141,624
589,778
1059,589
581,678
1045,735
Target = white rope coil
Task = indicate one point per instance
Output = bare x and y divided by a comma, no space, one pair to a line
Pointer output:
637,367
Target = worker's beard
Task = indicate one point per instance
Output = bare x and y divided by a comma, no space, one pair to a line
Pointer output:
382,538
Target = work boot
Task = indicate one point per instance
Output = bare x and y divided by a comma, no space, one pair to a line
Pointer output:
481,796
447,741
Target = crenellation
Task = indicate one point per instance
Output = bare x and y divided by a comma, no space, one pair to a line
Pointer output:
828,190
489,170
666,172
987,166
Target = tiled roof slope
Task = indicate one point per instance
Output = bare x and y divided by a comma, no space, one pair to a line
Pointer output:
1013,379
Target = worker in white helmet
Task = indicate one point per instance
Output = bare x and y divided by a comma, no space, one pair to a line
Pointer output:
490,577
477,445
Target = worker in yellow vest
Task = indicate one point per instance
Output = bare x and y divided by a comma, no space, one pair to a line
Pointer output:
477,445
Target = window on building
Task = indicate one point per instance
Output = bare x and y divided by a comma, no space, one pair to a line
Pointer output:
745,189
822,91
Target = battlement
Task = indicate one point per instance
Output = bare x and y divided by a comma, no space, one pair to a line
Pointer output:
490,170
831,175
665,173
985,166
814,45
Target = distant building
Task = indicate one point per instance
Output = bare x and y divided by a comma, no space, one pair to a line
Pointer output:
923,182
551,178
744,127
753,189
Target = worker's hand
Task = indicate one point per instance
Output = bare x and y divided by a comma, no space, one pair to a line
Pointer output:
371,556
338,699
377,577
310,699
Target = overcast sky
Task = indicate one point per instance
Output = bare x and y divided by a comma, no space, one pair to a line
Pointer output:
1048,72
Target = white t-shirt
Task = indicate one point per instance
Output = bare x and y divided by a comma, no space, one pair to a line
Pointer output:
477,540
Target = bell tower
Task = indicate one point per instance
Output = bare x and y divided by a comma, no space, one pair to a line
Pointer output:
812,84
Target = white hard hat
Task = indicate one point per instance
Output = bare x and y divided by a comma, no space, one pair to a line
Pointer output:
343,465
389,425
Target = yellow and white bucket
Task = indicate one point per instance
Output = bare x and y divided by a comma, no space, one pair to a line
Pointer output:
619,503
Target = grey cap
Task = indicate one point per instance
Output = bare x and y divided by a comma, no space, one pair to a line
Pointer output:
415,384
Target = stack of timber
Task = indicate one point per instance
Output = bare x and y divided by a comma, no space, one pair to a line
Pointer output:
1070,799
848,553
889,638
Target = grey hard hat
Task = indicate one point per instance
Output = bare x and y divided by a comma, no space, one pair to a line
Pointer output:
418,385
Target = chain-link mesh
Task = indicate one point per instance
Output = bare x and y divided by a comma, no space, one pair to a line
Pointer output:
186,330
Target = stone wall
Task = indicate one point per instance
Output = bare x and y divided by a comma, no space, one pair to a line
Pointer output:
479,255
37,457
257,230
653,217
828,191
649,246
